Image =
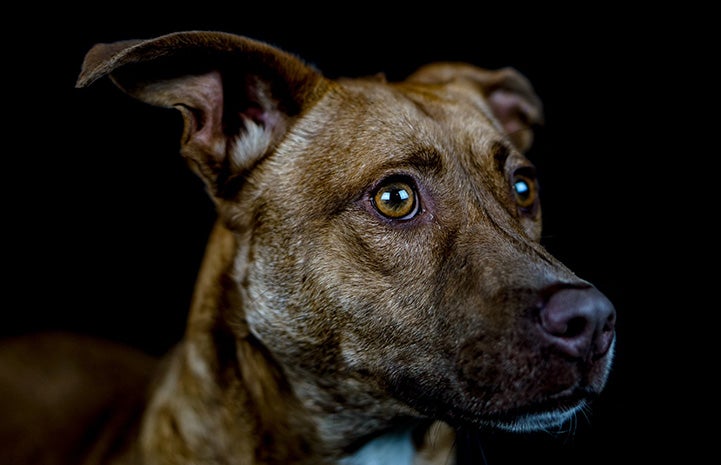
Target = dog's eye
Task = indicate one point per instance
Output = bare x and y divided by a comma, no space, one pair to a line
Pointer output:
396,199
524,190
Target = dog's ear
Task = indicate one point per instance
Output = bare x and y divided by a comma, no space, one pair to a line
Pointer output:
237,96
509,95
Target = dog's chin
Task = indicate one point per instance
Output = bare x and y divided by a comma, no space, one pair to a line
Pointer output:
537,421
553,414
550,415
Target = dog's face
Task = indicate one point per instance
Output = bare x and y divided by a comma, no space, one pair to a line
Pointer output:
388,233
410,225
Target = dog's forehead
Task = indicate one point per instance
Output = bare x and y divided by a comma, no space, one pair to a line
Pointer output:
445,107
385,121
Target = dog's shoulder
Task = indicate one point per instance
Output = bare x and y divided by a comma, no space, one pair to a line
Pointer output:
68,395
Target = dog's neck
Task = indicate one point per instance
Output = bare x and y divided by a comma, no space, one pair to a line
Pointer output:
222,392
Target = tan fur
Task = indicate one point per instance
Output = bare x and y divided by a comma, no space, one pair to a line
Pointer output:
317,324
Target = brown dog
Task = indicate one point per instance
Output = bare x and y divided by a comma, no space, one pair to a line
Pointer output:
374,279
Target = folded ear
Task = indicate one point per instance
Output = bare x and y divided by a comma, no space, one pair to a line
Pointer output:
237,96
509,95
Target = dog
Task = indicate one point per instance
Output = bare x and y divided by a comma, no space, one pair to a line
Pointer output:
374,283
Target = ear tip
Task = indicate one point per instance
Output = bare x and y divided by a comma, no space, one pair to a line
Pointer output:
101,59
87,76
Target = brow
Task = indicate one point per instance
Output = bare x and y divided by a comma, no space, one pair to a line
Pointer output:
426,159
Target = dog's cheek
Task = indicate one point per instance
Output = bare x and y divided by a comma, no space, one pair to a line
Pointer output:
376,284
285,322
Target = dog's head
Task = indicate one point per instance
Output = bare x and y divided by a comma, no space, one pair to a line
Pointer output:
388,252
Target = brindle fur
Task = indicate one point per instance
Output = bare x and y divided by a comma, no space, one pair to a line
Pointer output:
317,324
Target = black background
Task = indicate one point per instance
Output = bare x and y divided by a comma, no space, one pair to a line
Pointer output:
108,226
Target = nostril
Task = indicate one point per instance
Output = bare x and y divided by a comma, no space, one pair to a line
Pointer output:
575,327
578,321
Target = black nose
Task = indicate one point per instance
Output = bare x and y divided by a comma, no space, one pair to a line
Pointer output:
579,321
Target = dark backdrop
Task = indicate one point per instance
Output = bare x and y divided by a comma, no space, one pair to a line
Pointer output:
108,225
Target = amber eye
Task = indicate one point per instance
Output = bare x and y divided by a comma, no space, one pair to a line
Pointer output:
524,190
396,199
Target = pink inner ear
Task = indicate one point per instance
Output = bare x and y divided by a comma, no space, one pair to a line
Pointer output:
511,109
205,96
262,117
200,95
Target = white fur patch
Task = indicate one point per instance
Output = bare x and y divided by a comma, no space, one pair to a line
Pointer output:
394,448
250,145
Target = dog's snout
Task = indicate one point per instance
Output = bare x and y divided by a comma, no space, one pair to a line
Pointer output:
579,321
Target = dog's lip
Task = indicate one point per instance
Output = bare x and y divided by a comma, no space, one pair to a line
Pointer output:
567,399
551,409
